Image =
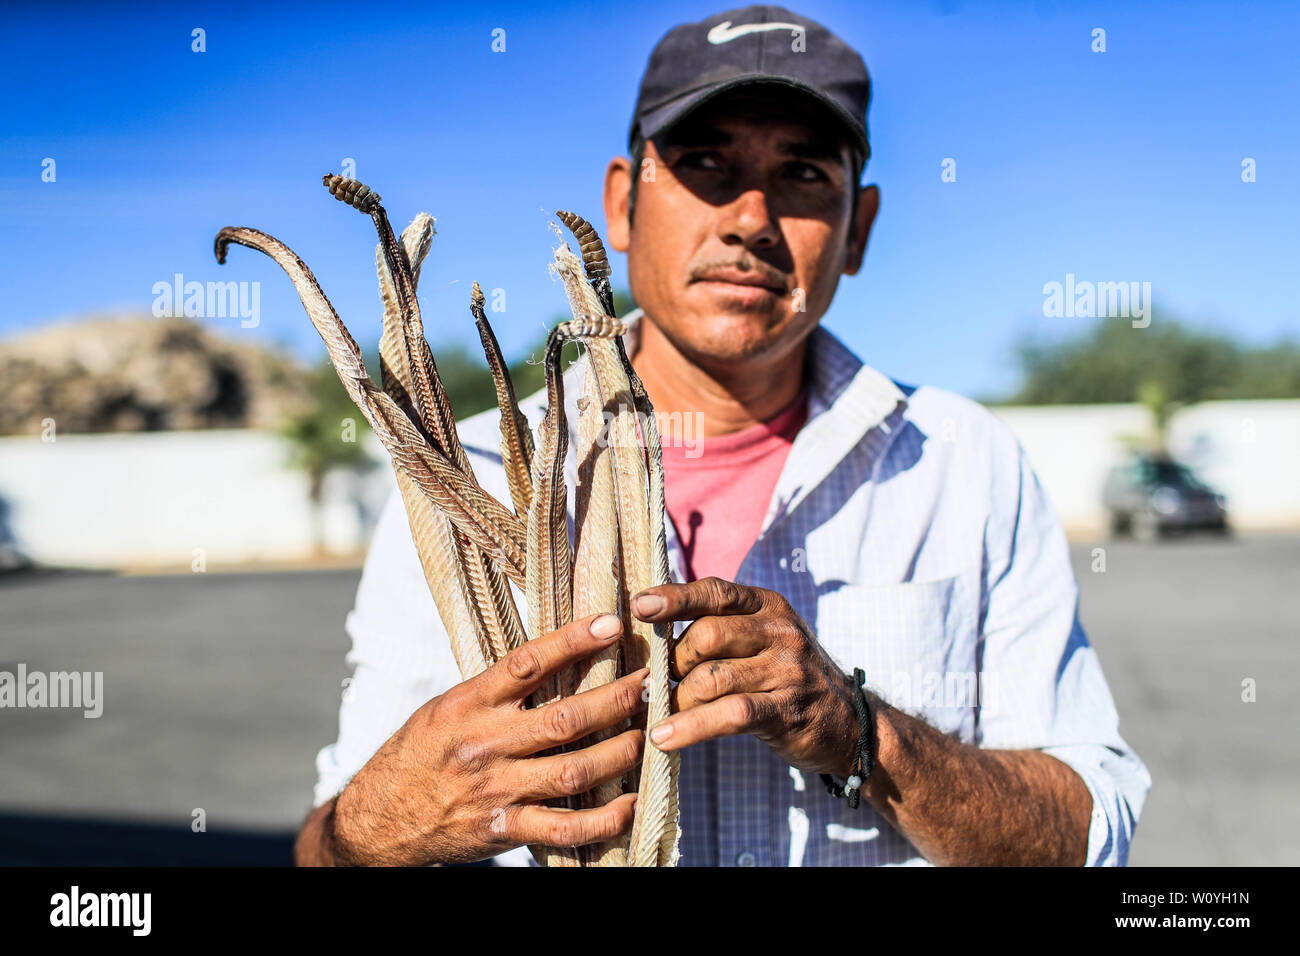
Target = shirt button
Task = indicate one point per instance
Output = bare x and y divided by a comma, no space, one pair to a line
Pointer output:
746,859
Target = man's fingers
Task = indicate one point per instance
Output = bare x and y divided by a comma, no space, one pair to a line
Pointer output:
581,770
553,826
572,718
686,602
713,680
734,714
526,668
711,639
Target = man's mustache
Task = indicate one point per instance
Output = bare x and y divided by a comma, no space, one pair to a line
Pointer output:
765,273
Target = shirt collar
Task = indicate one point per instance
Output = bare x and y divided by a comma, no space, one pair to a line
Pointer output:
849,402
840,382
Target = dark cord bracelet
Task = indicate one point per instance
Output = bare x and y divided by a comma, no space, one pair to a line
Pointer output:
864,760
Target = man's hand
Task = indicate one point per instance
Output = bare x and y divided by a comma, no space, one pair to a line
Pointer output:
750,665
461,781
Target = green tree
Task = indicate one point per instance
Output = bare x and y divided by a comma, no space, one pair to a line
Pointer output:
326,435
1164,366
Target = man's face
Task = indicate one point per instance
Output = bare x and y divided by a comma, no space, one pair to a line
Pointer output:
737,243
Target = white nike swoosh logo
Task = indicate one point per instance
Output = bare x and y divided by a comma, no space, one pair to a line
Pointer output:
724,32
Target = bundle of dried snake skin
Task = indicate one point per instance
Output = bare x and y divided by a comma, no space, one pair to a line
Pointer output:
473,546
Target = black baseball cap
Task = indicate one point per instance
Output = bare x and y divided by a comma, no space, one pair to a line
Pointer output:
696,62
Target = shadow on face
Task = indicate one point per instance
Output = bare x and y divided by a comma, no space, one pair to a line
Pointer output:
746,213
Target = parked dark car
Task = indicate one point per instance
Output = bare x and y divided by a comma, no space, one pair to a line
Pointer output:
1149,496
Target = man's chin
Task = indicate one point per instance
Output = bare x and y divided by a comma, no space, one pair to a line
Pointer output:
732,336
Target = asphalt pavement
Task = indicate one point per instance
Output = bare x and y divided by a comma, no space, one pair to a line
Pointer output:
219,689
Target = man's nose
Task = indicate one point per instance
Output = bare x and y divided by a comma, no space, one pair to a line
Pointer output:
748,221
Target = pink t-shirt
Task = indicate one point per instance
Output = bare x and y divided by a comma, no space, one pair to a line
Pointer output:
718,491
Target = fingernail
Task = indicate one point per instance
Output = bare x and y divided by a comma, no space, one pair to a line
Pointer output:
648,604
661,733
606,626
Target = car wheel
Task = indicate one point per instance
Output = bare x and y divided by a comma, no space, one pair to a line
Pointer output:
1146,527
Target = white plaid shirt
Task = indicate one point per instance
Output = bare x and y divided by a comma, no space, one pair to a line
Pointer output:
909,531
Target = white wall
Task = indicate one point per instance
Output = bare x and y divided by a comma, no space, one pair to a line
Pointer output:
1250,451
152,499
1071,448
114,500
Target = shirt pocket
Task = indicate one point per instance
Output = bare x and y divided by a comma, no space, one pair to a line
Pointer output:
914,642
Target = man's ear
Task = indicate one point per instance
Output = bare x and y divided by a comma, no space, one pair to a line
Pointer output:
618,185
868,206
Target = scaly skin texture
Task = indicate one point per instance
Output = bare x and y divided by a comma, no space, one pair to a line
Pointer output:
516,436
411,372
475,595
471,546
445,575
478,515
644,564
595,572
550,560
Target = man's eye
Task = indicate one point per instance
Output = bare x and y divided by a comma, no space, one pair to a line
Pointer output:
699,160
806,172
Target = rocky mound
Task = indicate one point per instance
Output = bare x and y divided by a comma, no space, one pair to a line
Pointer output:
126,374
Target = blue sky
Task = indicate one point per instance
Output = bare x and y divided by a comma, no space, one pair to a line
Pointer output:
1115,166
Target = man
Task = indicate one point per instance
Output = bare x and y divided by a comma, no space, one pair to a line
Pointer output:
830,520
